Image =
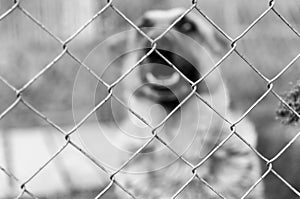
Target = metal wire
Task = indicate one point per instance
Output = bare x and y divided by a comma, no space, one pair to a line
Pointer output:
155,135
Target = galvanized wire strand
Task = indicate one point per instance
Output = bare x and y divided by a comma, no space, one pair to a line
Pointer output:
211,188
297,192
258,181
30,194
14,178
176,108
221,196
9,174
95,161
285,147
87,23
23,190
42,116
195,175
295,137
111,183
41,72
271,5
286,22
251,66
254,104
40,24
285,103
11,107
174,23
184,186
135,154
213,109
124,189
44,165
87,116
10,10
132,68
131,23
174,67
213,24
87,68
261,156
216,65
8,84
88,156
285,69
143,120
215,149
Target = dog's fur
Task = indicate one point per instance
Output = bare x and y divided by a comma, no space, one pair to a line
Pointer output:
152,90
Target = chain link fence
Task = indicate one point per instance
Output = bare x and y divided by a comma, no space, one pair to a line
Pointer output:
65,50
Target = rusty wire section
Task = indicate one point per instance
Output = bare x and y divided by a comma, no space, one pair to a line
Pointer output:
110,87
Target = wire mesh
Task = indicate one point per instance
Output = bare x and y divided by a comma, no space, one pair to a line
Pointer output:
269,83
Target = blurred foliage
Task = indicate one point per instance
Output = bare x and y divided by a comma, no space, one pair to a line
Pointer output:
292,98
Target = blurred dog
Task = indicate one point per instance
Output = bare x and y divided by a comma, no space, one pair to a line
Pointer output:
155,88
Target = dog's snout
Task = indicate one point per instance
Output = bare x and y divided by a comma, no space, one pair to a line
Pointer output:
145,22
158,58
162,71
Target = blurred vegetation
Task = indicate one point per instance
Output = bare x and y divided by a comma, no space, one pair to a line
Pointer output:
292,98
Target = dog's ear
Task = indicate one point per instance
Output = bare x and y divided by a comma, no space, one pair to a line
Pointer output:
209,35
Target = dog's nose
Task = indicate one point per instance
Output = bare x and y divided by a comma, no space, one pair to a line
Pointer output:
145,22
154,57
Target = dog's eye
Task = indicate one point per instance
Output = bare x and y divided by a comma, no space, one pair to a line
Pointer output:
185,26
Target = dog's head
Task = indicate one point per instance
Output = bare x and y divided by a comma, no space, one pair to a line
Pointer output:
191,46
